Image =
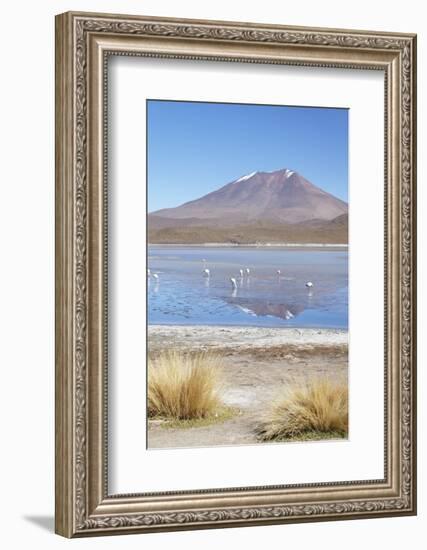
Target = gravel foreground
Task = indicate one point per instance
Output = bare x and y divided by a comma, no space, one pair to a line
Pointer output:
258,362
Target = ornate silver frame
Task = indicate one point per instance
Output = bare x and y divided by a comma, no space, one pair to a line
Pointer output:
83,42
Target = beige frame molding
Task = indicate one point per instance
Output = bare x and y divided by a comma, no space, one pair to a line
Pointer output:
83,43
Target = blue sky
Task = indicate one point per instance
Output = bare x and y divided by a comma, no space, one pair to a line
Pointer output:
196,148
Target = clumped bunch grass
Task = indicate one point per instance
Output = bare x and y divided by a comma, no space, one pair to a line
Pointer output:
184,386
315,409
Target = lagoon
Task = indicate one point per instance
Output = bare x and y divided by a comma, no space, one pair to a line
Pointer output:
183,296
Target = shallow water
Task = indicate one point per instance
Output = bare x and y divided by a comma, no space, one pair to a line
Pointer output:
183,295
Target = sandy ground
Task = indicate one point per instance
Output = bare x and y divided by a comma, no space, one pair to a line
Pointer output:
257,361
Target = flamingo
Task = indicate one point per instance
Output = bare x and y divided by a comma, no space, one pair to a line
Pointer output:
247,271
278,272
233,283
309,284
148,273
156,276
241,273
206,272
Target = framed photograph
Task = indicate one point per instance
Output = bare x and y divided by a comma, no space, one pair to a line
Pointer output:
235,274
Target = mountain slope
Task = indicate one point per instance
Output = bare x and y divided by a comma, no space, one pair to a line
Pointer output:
283,196
321,232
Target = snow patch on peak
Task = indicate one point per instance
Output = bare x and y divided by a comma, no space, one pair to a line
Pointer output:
248,176
288,173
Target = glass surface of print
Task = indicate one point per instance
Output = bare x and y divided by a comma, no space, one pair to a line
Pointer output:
247,279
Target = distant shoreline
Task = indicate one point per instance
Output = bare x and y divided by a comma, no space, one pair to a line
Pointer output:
252,245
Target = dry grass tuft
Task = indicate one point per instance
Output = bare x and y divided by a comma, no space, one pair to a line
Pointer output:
308,410
184,386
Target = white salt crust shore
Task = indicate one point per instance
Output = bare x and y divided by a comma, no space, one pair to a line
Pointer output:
251,245
243,337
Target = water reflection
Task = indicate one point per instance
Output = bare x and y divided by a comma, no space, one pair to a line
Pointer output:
261,309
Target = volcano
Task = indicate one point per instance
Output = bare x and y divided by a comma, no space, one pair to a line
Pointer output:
267,203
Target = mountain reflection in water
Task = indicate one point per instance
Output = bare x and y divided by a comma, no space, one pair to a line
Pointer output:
262,309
